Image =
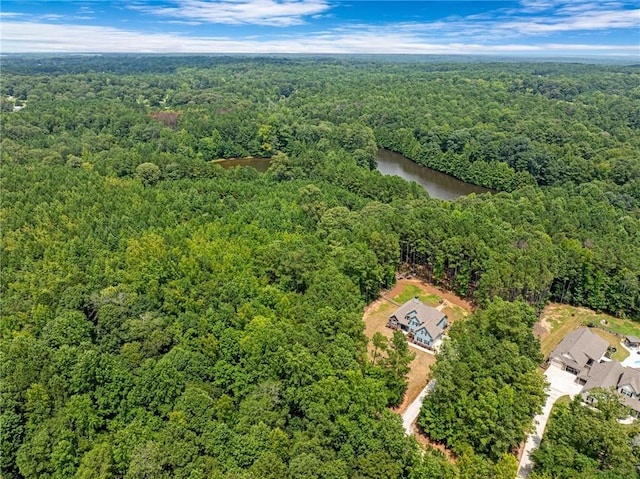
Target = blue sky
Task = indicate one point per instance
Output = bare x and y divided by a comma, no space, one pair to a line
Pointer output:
526,27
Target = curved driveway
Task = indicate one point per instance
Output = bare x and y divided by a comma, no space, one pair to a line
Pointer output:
561,383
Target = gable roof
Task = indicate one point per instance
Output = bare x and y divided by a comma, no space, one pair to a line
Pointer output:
427,316
580,346
613,374
631,376
632,339
604,375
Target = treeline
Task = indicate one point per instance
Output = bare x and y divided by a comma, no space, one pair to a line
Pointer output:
498,125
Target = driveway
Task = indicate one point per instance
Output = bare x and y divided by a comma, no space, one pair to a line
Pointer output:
410,415
561,383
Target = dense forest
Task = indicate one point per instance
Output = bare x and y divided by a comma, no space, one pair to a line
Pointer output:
165,317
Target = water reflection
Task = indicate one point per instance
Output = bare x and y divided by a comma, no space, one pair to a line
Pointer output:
438,185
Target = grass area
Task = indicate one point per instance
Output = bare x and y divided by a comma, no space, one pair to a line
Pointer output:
455,313
625,327
411,291
621,354
561,319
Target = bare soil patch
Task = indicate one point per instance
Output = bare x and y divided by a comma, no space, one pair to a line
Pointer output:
431,289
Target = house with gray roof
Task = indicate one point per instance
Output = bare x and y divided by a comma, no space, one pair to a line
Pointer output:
613,375
578,351
423,324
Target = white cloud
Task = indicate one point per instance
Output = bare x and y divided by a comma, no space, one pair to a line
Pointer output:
603,20
41,37
182,22
50,16
237,12
498,31
529,21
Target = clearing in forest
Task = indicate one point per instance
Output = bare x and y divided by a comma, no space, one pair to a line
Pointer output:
557,320
377,314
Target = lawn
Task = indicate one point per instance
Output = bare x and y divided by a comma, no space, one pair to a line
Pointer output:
558,320
411,291
621,354
455,313
626,327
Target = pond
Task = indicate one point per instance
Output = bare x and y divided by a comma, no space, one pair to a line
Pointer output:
438,185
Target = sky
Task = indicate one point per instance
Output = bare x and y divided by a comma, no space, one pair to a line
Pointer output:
526,27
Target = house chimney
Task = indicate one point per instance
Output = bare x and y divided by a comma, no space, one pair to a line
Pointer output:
415,299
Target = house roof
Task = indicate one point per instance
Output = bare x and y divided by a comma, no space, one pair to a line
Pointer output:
580,346
604,375
612,374
429,317
632,339
631,376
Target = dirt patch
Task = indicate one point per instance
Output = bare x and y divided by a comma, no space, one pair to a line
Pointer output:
417,378
540,331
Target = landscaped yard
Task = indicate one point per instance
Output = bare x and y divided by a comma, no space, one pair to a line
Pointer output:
621,353
557,320
377,314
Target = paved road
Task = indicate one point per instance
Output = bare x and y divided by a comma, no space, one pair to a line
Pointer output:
411,414
561,383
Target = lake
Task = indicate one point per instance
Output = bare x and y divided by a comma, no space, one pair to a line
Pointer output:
438,185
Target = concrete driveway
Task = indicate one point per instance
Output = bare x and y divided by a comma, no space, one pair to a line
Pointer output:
411,414
561,383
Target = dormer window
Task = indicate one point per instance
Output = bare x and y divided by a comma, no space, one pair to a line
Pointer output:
626,392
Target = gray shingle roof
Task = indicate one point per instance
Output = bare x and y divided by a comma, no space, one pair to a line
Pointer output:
428,316
632,339
604,375
631,376
578,347
612,374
